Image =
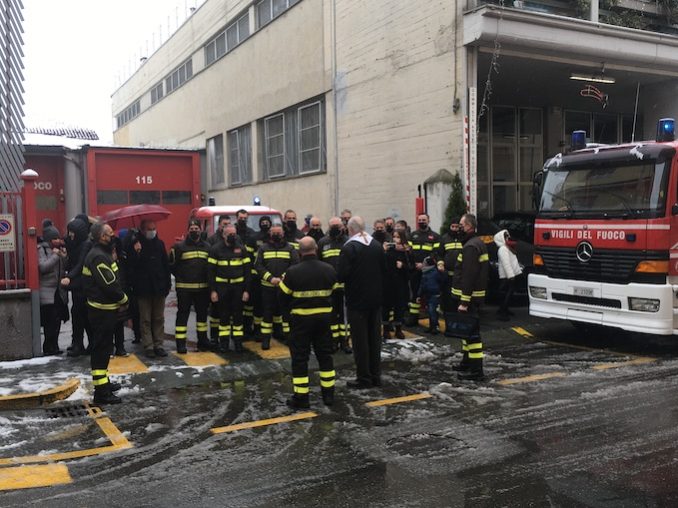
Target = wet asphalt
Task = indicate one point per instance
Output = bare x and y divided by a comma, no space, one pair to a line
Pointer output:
564,418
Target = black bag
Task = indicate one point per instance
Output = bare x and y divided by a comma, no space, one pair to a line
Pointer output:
462,325
61,306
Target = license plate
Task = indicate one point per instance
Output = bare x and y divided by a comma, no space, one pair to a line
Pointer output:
583,291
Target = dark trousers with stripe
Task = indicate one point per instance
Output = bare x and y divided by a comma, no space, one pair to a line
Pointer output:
414,306
200,301
365,331
271,312
471,347
231,311
103,324
338,323
306,332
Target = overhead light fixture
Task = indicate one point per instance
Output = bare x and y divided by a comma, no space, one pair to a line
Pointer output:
592,78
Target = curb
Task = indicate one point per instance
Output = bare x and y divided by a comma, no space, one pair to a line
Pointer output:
39,399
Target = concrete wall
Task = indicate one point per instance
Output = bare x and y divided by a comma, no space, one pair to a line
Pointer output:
16,339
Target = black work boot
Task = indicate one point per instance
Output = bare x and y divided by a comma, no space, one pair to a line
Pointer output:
181,346
266,343
205,345
399,332
328,396
224,343
75,351
237,345
104,395
386,334
460,367
343,343
299,401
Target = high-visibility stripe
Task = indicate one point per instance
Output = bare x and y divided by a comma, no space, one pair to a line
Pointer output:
300,380
301,389
311,293
338,285
181,328
475,345
479,294
99,372
460,257
279,254
86,271
294,244
277,319
327,378
465,298
107,306
284,288
99,382
230,281
106,273
201,254
212,261
327,384
475,356
453,245
232,262
330,253
436,245
201,327
310,312
191,285
484,257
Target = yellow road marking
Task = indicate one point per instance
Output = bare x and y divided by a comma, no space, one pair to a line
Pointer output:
23,400
119,442
28,477
411,336
425,322
201,359
398,400
636,361
276,352
521,331
263,423
126,365
529,379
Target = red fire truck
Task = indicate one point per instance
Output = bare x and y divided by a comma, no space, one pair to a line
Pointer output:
606,235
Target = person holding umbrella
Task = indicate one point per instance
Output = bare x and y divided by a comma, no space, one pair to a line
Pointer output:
151,281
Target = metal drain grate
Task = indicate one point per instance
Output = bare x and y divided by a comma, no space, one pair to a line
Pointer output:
69,411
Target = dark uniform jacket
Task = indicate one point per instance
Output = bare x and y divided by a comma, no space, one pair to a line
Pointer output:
424,243
329,249
361,269
307,287
149,272
248,239
227,265
188,264
77,249
101,283
471,271
273,259
293,237
449,251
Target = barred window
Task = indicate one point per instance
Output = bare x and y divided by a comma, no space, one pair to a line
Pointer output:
240,155
229,38
156,93
130,113
267,10
179,76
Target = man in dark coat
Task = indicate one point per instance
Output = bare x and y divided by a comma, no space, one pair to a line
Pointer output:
150,278
361,269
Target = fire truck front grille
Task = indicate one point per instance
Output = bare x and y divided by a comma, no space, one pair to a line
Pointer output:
614,266
588,300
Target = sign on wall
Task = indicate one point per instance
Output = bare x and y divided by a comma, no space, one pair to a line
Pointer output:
7,233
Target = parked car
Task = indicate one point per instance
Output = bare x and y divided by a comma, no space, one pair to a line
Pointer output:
520,226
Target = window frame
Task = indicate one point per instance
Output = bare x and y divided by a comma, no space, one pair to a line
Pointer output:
267,155
300,130
220,179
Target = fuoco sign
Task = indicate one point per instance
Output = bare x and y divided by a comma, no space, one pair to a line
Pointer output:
7,233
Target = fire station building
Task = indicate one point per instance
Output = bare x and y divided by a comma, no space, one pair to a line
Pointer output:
320,105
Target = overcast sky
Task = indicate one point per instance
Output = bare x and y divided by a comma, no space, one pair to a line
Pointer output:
76,51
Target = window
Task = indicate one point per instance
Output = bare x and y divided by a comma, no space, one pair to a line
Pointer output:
144,197
215,159
176,197
129,113
293,141
112,197
233,35
267,10
240,155
179,76
156,93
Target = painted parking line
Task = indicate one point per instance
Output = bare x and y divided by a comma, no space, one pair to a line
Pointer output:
530,379
28,477
521,331
201,359
126,365
411,336
277,351
614,365
264,423
117,439
41,398
398,400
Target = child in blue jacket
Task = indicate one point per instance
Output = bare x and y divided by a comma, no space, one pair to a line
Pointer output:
432,281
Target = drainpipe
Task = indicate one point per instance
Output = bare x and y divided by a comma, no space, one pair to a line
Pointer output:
334,108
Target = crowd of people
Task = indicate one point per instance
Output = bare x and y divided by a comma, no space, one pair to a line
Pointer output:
342,289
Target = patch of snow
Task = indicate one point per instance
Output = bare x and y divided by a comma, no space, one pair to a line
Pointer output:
155,427
636,152
20,364
556,161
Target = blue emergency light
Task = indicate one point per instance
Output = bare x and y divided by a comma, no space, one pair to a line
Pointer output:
257,201
666,129
578,140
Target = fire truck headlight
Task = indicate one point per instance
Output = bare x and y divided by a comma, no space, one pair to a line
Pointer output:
644,304
538,292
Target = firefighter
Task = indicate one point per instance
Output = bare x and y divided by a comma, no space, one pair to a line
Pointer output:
104,298
273,260
229,271
329,248
306,290
424,242
261,237
188,264
292,233
450,247
468,288
248,239
217,237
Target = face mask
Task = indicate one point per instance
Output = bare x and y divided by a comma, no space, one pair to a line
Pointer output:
291,225
242,223
335,231
150,235
422,225
316,234
265,227
454,234
379,236
389,229
194,235
276,237
230,238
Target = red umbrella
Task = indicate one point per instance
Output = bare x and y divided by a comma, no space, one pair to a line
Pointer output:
132,216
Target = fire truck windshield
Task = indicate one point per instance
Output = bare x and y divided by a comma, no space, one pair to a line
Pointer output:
635,189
